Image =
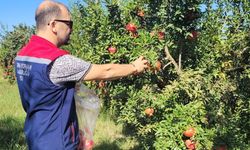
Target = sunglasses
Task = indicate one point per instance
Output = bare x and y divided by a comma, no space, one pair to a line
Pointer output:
69,23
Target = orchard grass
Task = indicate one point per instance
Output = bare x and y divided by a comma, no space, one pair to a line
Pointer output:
11,117
108,134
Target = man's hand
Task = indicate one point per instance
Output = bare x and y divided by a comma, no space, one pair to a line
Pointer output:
140,64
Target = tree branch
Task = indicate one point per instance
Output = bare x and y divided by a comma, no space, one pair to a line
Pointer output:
238,69
180,60
171,59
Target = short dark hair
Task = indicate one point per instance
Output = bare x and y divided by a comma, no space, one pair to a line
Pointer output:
44,16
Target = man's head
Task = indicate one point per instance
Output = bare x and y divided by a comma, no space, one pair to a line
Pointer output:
53,22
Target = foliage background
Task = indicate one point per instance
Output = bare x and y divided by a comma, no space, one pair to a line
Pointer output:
203,81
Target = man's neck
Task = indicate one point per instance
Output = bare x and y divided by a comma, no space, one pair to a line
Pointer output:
48,37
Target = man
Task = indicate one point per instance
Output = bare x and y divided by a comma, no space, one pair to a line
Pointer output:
46,77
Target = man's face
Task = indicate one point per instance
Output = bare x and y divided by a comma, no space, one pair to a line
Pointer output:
65,28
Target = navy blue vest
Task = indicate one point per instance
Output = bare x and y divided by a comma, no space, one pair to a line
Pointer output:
51,121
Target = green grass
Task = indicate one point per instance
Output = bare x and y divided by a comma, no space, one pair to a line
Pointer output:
11,117
108,134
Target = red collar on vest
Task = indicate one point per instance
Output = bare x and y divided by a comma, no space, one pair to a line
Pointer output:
41,48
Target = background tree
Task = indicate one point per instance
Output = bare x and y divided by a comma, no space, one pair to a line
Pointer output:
195,94
11,42
197,74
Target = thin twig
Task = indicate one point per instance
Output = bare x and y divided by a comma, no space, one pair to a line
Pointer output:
166,65
180,61
238,69
244,50
171,59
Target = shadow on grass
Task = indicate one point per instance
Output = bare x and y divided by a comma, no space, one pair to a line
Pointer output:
107,145
114,145
11,134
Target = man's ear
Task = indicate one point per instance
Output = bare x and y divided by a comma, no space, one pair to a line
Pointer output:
52,25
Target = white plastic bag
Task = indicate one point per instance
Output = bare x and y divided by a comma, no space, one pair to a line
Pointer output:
87,108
